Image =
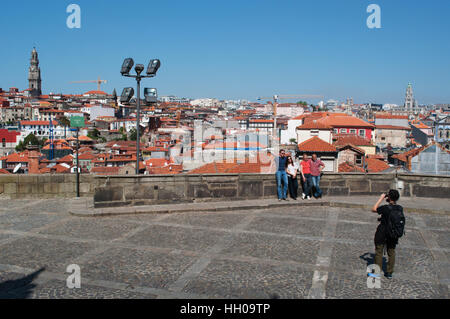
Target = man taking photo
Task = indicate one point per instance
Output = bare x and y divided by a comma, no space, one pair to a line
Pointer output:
390,229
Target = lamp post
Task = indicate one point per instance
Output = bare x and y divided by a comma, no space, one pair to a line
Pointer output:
152,68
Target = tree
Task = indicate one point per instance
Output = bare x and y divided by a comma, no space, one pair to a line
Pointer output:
30,139
302,103
133,134
293,140
94,134
124,134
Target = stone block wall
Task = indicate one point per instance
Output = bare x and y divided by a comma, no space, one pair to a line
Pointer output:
45,186
154,189
158,189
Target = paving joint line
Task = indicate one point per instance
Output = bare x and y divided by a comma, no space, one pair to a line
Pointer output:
197,267
320,277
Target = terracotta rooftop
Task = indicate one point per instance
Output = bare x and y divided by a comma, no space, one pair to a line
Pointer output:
375,165
343,139
315,144
347,167
315,124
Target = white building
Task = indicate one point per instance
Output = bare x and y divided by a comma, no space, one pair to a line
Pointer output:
100,110
291,132
127,124
311,129
41,129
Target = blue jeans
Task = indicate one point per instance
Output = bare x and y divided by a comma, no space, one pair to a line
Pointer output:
316,182
307,184
282,177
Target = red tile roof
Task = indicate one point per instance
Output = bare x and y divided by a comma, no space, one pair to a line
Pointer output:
374,165
105,170
347,167
421,125
343,139
156,162
234,167
316,144
315,124
43,123
96,93
345,121
166,170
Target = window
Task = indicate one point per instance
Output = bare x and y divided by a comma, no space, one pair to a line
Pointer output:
383,138
358,160
343,130
353,131
335,131
3,142
314,132
362,133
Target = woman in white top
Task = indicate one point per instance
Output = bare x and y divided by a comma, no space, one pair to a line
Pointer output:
291,170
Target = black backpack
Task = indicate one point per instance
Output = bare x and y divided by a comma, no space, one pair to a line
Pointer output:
395,223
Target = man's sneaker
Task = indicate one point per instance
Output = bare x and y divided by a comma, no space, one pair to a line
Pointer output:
388,275
309,197
303,196
286,199
279,199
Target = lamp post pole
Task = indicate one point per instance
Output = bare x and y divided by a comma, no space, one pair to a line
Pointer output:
78,165
151,72
138,118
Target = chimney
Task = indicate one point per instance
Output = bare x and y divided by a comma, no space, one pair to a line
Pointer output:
33,163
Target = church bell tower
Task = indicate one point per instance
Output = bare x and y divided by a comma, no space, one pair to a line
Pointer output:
34,75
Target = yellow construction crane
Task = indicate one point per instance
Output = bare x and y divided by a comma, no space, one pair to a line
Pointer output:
98,81
275,99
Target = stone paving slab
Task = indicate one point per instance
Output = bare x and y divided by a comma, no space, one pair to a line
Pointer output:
412,205
272,250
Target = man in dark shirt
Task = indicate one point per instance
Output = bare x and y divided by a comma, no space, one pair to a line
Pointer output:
281,176
381,240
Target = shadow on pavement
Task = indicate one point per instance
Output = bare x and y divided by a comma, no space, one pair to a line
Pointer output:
369,259
19,288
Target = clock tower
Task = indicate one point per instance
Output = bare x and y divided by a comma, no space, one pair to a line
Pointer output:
34,75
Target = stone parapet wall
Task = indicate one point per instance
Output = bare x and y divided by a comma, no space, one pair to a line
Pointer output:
155,189
45,186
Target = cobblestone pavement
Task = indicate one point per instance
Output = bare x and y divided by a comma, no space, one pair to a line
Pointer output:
293,252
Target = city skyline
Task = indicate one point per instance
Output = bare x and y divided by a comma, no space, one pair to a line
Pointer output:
240,55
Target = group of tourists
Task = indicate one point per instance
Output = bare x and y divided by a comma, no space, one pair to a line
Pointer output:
392,220
309,169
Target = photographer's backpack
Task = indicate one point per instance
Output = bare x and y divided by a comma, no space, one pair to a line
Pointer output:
395,227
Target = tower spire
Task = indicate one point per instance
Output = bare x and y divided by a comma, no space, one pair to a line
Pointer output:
34,75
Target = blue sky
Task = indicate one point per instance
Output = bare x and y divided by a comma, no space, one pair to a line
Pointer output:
235,49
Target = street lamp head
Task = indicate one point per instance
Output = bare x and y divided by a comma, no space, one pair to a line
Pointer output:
151,95
126,66
153,67
127,94
139,68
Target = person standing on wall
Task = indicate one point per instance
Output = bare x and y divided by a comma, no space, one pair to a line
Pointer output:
316,166
291,170
281,176
305,170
